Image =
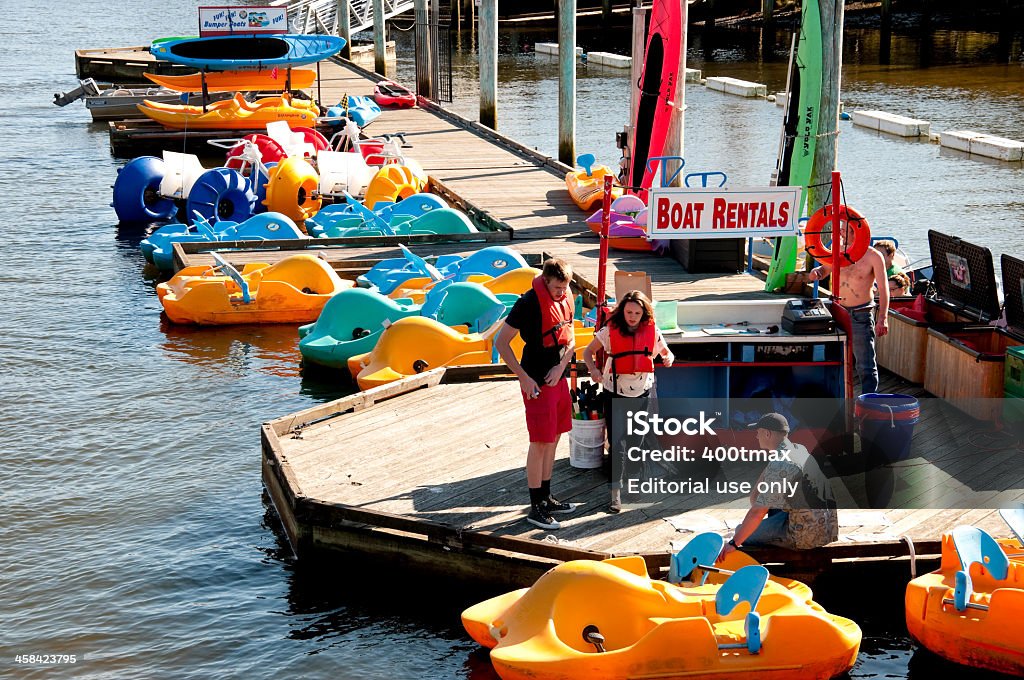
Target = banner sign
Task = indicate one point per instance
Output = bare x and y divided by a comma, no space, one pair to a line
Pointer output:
723,213
226,20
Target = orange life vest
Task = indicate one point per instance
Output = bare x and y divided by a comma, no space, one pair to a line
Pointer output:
555,315
632,353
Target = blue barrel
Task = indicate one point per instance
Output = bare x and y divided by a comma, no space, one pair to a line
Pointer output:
886,425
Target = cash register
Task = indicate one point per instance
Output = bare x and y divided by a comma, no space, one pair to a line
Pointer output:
807,317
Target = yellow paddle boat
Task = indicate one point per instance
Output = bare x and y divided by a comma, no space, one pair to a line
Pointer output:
392,183
609,620
514,281
236,81
293,290
232,114
586,186
970,610
415,344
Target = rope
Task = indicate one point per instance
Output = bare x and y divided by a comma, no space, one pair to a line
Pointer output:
399,28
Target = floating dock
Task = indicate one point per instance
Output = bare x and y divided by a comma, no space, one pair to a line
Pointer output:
982,144
735,86
891,123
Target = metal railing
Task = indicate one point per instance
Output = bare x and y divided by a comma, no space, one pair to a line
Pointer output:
303,15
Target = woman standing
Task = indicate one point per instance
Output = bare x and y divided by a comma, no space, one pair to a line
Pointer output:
630,341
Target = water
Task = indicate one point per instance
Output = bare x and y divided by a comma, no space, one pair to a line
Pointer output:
135,531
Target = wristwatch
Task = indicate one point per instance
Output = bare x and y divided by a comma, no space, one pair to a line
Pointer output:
732,542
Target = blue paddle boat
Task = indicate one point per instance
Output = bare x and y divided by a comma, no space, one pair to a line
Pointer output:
159,247
360,110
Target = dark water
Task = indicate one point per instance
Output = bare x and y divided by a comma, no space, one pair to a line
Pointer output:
135,534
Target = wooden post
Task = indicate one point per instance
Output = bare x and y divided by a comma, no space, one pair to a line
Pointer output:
831,12
709,9
674,143
639,43
379,39
606,12
767,9
489,63
424,70
885,37
567,82
344,27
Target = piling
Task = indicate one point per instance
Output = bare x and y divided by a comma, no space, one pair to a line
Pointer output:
489,63
567,82
343,27
380,64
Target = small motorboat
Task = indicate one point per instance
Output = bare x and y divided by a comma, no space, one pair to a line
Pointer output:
293,290
586,186
969,611
610,620
390,93
118,102
232,114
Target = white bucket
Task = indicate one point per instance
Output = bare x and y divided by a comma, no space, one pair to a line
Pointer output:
586,444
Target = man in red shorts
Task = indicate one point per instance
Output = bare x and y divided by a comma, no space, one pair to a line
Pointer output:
543,318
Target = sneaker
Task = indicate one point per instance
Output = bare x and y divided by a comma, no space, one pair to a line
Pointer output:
539,517
554,506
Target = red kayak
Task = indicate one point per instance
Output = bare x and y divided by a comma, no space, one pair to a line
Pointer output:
390,93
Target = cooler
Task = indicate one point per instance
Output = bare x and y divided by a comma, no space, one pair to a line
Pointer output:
967,366
904,351
1013,385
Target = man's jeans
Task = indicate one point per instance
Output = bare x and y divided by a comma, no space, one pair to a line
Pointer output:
863,327
772,530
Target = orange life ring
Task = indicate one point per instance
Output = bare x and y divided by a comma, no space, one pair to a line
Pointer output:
821,223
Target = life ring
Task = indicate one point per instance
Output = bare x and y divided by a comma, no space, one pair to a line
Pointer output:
821,223
293,189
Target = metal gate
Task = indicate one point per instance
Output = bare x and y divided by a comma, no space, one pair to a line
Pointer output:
441,52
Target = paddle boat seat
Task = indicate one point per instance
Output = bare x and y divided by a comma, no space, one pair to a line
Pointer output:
181,172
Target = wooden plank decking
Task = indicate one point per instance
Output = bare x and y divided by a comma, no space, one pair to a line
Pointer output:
438,471
516,187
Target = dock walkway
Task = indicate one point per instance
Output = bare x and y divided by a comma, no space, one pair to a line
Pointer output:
513,186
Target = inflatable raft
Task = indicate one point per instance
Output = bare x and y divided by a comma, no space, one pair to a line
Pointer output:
232,114
390,93
970,610
609,620
293,290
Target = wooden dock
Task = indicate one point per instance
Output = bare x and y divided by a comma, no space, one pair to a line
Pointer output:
503,183
429,472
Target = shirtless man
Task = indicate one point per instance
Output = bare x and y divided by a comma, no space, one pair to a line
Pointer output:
857,294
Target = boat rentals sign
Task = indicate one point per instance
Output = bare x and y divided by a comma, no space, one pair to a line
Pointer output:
723,213
224,20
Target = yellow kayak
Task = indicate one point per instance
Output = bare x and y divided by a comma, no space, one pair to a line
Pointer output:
233,114
609,619
293,290
236,81
587,190
975,621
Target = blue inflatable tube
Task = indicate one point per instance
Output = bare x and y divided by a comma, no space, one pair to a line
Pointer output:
137,192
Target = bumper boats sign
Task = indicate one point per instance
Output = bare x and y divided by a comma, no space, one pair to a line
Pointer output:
230,20
723,213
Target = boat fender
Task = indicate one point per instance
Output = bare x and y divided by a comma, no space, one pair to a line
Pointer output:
420,365
137,191
821,223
